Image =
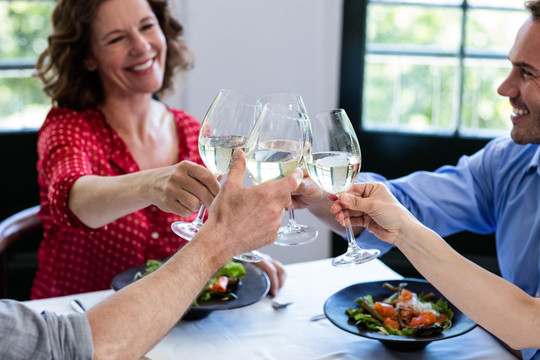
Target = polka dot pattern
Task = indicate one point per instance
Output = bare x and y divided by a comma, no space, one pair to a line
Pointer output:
72,257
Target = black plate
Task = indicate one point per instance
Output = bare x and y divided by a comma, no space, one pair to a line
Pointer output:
254,287
335,307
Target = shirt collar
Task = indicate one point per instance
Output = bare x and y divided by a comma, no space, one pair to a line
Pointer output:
535,162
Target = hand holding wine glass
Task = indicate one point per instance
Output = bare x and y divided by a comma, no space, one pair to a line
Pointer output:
293,233
225,128
334,164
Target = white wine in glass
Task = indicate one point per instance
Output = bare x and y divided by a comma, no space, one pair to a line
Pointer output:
225,128
217,151
334,164
293,233
273,159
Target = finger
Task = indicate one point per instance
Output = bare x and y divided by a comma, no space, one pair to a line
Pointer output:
191,193
185,206
270,270
351,202
237,168
336,207
178,208
305,185
292,181
205,177
282,274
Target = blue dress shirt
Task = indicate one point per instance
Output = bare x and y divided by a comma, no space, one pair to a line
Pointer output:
496,190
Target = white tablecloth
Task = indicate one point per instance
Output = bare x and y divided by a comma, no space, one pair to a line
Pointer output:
260,332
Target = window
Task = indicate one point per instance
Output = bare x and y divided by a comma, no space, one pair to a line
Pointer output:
24,26
429,66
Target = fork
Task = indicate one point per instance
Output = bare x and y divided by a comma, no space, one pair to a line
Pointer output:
280,305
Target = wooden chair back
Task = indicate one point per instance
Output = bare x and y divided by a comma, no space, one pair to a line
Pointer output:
18,230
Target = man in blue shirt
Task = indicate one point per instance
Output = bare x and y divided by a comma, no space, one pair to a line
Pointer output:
495,190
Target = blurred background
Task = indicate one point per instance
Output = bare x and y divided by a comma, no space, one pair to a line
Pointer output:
417,78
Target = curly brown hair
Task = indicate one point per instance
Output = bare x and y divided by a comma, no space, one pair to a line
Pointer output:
533,7
61,66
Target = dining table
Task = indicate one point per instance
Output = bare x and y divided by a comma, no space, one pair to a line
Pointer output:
261,332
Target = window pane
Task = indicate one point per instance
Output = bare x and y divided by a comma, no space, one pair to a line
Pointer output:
431,27
492,31
410,94
23,103
484,112
24,26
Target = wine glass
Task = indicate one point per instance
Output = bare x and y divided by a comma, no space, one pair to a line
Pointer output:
275,146
334,164
224,129
293,233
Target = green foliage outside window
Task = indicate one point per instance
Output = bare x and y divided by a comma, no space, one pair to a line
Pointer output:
24,26
420,77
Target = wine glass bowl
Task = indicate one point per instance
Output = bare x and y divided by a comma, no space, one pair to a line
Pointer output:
275,146
334,164
217,151
293,233
334,171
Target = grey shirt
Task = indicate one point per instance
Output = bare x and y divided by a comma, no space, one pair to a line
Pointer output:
25,334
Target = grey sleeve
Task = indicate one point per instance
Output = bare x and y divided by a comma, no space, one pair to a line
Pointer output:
25,334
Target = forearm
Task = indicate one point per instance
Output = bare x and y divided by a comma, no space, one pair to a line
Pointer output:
129,323
99,200
494,303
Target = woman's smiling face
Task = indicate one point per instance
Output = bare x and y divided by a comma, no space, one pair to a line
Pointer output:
128,48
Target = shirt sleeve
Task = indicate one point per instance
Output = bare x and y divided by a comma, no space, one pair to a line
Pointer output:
25,334
448,200
62,160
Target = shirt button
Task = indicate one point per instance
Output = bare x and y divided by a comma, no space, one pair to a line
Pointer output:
153,208
155,235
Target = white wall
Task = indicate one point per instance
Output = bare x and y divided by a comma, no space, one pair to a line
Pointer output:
261,47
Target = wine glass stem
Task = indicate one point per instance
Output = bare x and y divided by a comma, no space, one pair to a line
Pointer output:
351,239
198,221
292,221
353,246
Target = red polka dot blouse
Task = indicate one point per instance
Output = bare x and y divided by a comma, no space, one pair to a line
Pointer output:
72,257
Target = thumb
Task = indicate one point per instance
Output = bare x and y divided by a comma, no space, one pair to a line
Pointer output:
237,168
292,181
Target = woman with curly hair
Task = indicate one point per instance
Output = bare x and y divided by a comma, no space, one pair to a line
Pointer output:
116,166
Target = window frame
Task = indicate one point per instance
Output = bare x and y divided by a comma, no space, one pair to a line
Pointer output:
354,50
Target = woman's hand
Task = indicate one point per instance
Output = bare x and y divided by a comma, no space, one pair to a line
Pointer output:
372,206
275,271
182,188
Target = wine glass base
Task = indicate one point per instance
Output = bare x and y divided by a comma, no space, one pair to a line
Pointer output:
295,235
185,230
252,257
354,257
